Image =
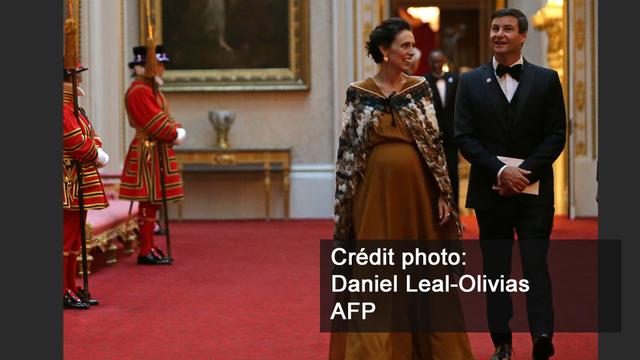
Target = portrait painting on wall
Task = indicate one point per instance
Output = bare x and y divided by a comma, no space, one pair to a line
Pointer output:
220,45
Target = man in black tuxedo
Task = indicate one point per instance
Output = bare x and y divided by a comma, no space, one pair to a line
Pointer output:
510,107
443,86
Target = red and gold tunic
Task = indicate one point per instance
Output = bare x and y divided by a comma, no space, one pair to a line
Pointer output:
155,132
80,145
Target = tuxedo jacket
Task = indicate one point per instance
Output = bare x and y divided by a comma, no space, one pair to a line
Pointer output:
445,114
532,127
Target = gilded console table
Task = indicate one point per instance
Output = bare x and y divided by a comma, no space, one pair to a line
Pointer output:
265,159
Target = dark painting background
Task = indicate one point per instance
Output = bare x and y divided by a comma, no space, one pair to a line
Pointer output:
226,34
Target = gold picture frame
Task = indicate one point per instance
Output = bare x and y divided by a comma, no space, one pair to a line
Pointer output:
289,71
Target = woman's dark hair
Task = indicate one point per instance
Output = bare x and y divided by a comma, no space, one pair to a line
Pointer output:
523,24
384,34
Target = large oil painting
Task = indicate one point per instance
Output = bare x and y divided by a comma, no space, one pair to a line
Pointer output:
226,45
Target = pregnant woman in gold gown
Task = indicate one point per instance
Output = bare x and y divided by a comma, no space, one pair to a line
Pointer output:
392,183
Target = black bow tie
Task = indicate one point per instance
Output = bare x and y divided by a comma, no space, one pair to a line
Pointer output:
515,71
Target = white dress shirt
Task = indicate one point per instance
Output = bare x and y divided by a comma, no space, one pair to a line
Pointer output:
508,84
441,84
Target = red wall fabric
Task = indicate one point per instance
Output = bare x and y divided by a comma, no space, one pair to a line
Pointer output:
425,41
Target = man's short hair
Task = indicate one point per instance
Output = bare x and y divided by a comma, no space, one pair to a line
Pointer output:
523,23
435,51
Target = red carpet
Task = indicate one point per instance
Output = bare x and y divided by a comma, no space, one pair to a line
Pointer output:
238,290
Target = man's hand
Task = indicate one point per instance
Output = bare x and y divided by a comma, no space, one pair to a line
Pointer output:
513,180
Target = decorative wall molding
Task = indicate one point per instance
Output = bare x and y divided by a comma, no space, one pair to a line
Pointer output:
583,66
367,14
583,104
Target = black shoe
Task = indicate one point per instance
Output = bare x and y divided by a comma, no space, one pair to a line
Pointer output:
503,352
158,254
149,259
87,299
542,347
71,301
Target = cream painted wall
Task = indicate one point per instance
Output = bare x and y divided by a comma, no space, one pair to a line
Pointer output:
302,120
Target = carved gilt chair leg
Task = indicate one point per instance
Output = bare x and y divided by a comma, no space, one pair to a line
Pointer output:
89,261
130,239
112,251
128,243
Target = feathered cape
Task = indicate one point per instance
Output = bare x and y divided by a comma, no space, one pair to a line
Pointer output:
363,109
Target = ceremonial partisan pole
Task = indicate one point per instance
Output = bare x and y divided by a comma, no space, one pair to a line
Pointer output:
150,72
70,64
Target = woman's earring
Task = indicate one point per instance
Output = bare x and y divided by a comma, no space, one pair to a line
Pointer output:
386,58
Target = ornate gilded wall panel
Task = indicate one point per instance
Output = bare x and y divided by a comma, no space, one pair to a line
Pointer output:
368,13
583,106
583,66
553,20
